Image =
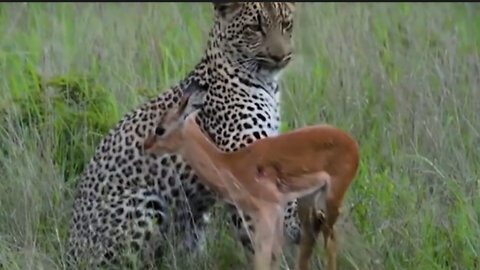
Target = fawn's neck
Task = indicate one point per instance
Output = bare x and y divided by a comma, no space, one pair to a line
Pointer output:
205,158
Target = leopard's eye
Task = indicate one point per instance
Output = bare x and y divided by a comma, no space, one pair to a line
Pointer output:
287,26
254,27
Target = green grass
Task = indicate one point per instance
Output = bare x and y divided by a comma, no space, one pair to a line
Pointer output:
403,79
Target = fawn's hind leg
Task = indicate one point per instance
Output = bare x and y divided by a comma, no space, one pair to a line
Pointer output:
331,248
311,221
329,234
312,211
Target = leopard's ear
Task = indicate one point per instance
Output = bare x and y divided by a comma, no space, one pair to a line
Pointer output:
227,10
290,5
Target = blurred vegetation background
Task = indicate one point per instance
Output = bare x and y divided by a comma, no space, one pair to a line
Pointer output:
402,78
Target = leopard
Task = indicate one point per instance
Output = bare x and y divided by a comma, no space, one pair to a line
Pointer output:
128,199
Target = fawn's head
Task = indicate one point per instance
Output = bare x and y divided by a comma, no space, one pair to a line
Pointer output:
168,135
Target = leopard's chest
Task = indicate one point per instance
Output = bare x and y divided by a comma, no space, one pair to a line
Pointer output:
238,116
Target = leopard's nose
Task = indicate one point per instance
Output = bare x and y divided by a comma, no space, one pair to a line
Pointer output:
277,58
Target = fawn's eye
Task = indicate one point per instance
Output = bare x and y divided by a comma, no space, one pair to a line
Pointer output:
159,131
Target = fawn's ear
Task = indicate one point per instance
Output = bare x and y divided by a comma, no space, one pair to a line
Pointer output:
173,115
182,104
149,142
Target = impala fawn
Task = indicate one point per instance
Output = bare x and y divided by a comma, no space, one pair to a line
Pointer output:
315,164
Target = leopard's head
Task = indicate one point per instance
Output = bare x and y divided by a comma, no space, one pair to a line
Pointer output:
255,36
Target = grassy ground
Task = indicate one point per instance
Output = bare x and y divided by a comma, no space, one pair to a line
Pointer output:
403,79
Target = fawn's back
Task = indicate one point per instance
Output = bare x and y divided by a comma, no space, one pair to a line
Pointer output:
309,149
